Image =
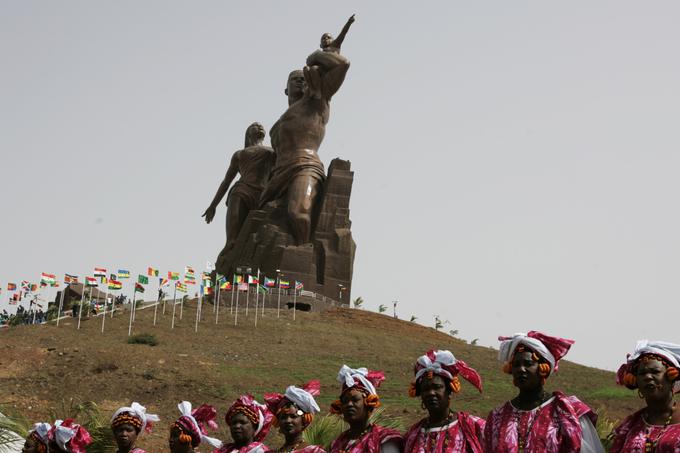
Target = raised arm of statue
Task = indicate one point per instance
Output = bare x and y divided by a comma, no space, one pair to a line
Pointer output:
232,171
337,42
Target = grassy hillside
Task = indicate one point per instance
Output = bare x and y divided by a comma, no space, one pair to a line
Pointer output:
43,368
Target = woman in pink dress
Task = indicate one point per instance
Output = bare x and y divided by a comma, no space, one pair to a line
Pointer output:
191,428
128,423
654,370
293,412
67,436
358,399
249,423
38,439
536,421
436,380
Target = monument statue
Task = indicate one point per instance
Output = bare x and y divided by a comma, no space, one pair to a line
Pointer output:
254,162
297,135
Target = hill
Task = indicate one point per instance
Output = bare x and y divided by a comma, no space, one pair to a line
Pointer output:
43,368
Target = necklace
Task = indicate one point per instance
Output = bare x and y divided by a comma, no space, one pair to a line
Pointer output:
429,439
651,444
350,442
292,448
523,439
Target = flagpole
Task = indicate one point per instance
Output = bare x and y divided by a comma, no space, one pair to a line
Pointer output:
174,304
233,284
161,288
113,305
198,308
104,315
217,298
247,294
61,303
132,310
257,293
264,300
278,309
181,307
236,308
294,298
80,308
155,308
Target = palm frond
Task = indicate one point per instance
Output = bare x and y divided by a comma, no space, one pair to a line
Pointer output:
13,429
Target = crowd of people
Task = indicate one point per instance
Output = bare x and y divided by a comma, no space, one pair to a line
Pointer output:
533,421
23,316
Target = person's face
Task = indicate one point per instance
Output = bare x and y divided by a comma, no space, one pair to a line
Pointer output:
525,375
353,406
125,435
256,132
326,40
290,421
652,380
434,394
30,446
296,85
241,429
174,443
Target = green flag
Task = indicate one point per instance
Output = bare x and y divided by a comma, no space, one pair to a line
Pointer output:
143,279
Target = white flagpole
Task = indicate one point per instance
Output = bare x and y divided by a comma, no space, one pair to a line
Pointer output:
233,284
104,315
217,298
247,293
181,305
278,309
155,308
61,303
236,313
294,298
264,300
132,310
80,308
174,304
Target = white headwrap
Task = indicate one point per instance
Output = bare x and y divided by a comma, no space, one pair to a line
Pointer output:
441,358
349,377
185,409
41,430
302,399
139,411
63,434
668,351
507,348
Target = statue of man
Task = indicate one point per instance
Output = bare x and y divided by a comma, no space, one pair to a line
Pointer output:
297,135
254,162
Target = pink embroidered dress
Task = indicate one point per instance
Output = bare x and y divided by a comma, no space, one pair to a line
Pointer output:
308,449
137,450
555,426
464,434
368,443
253,447
631,434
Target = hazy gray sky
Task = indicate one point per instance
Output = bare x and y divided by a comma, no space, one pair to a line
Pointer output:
516,163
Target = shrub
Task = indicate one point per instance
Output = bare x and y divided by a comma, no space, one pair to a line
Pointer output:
143,338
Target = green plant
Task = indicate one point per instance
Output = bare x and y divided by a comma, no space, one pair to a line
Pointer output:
90,416
453,332
13,427
358,302
382,308
413,318
143,338
474,342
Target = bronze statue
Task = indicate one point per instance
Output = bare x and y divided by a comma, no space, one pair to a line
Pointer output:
297,135
254,162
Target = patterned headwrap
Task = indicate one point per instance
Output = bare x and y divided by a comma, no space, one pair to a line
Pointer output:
552,349
136,416
69,436
40,433
667,352
362,379
193,423
301,398
258,414
443,363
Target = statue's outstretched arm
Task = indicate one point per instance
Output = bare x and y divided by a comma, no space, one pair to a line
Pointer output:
232,171
337,42
336,67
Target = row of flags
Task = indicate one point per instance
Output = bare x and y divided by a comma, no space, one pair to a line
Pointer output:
113,281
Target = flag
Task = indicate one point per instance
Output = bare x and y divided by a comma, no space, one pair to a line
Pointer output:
208,290
103,279
139,288
122,273
189,280
143,279
163,282
262,290
68,279
299,285
115,285
189,270
173,275
48,279
15,298
34,287
11,287
284,284
225,285
113,277
189,277
238,278
99,272
243,286
269,282
182,288
90,281
151,272
253,280
206,276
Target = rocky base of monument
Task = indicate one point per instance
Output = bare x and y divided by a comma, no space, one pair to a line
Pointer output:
324,265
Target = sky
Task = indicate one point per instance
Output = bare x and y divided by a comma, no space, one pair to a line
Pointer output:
515,163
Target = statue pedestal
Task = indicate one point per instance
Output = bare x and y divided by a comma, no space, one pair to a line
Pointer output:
324,265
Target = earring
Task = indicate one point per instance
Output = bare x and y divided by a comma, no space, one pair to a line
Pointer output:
422,405
640,395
